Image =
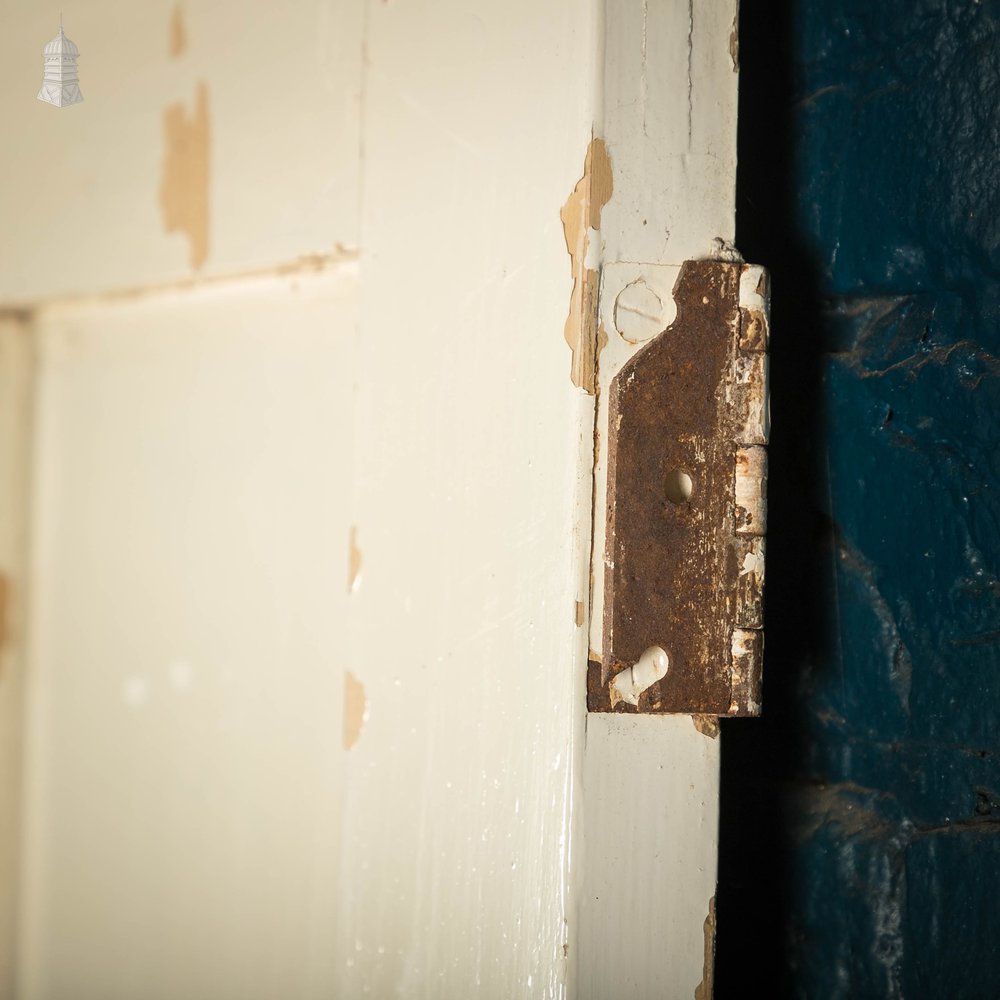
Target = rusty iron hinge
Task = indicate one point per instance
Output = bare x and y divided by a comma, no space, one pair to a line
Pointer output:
686,507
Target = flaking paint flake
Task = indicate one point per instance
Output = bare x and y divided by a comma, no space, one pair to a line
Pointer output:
353,562
355,709
581,220
707,725
706,988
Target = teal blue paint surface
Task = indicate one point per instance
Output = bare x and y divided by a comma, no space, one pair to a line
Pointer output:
861,815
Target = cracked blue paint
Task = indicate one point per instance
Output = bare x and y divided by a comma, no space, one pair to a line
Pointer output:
860,817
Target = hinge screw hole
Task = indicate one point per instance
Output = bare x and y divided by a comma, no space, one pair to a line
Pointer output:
679,486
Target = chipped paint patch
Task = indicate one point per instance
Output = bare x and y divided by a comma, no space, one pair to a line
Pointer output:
353,562
707,725
581,220
734,41
705,989
602,341
355,709
178,33
184,187
579,613
4,611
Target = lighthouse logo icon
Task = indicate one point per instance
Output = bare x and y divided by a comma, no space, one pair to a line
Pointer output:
61,85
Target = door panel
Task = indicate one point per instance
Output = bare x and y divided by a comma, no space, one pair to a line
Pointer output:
192,486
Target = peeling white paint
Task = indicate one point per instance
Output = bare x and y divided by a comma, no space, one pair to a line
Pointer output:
750,482
754,289
753,562
746,650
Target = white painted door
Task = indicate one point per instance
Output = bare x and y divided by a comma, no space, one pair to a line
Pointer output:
298,473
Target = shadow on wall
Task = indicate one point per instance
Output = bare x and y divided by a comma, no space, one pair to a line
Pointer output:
859,850
759,757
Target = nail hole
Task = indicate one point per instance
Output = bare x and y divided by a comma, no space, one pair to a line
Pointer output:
678,486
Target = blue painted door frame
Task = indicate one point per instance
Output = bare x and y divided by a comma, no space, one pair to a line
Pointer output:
860,852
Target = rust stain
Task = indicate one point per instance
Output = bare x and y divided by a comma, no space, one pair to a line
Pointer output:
579,613
687,573
355,709
178,33
707,725
705,989
580,215
353,562
734,42
184,187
